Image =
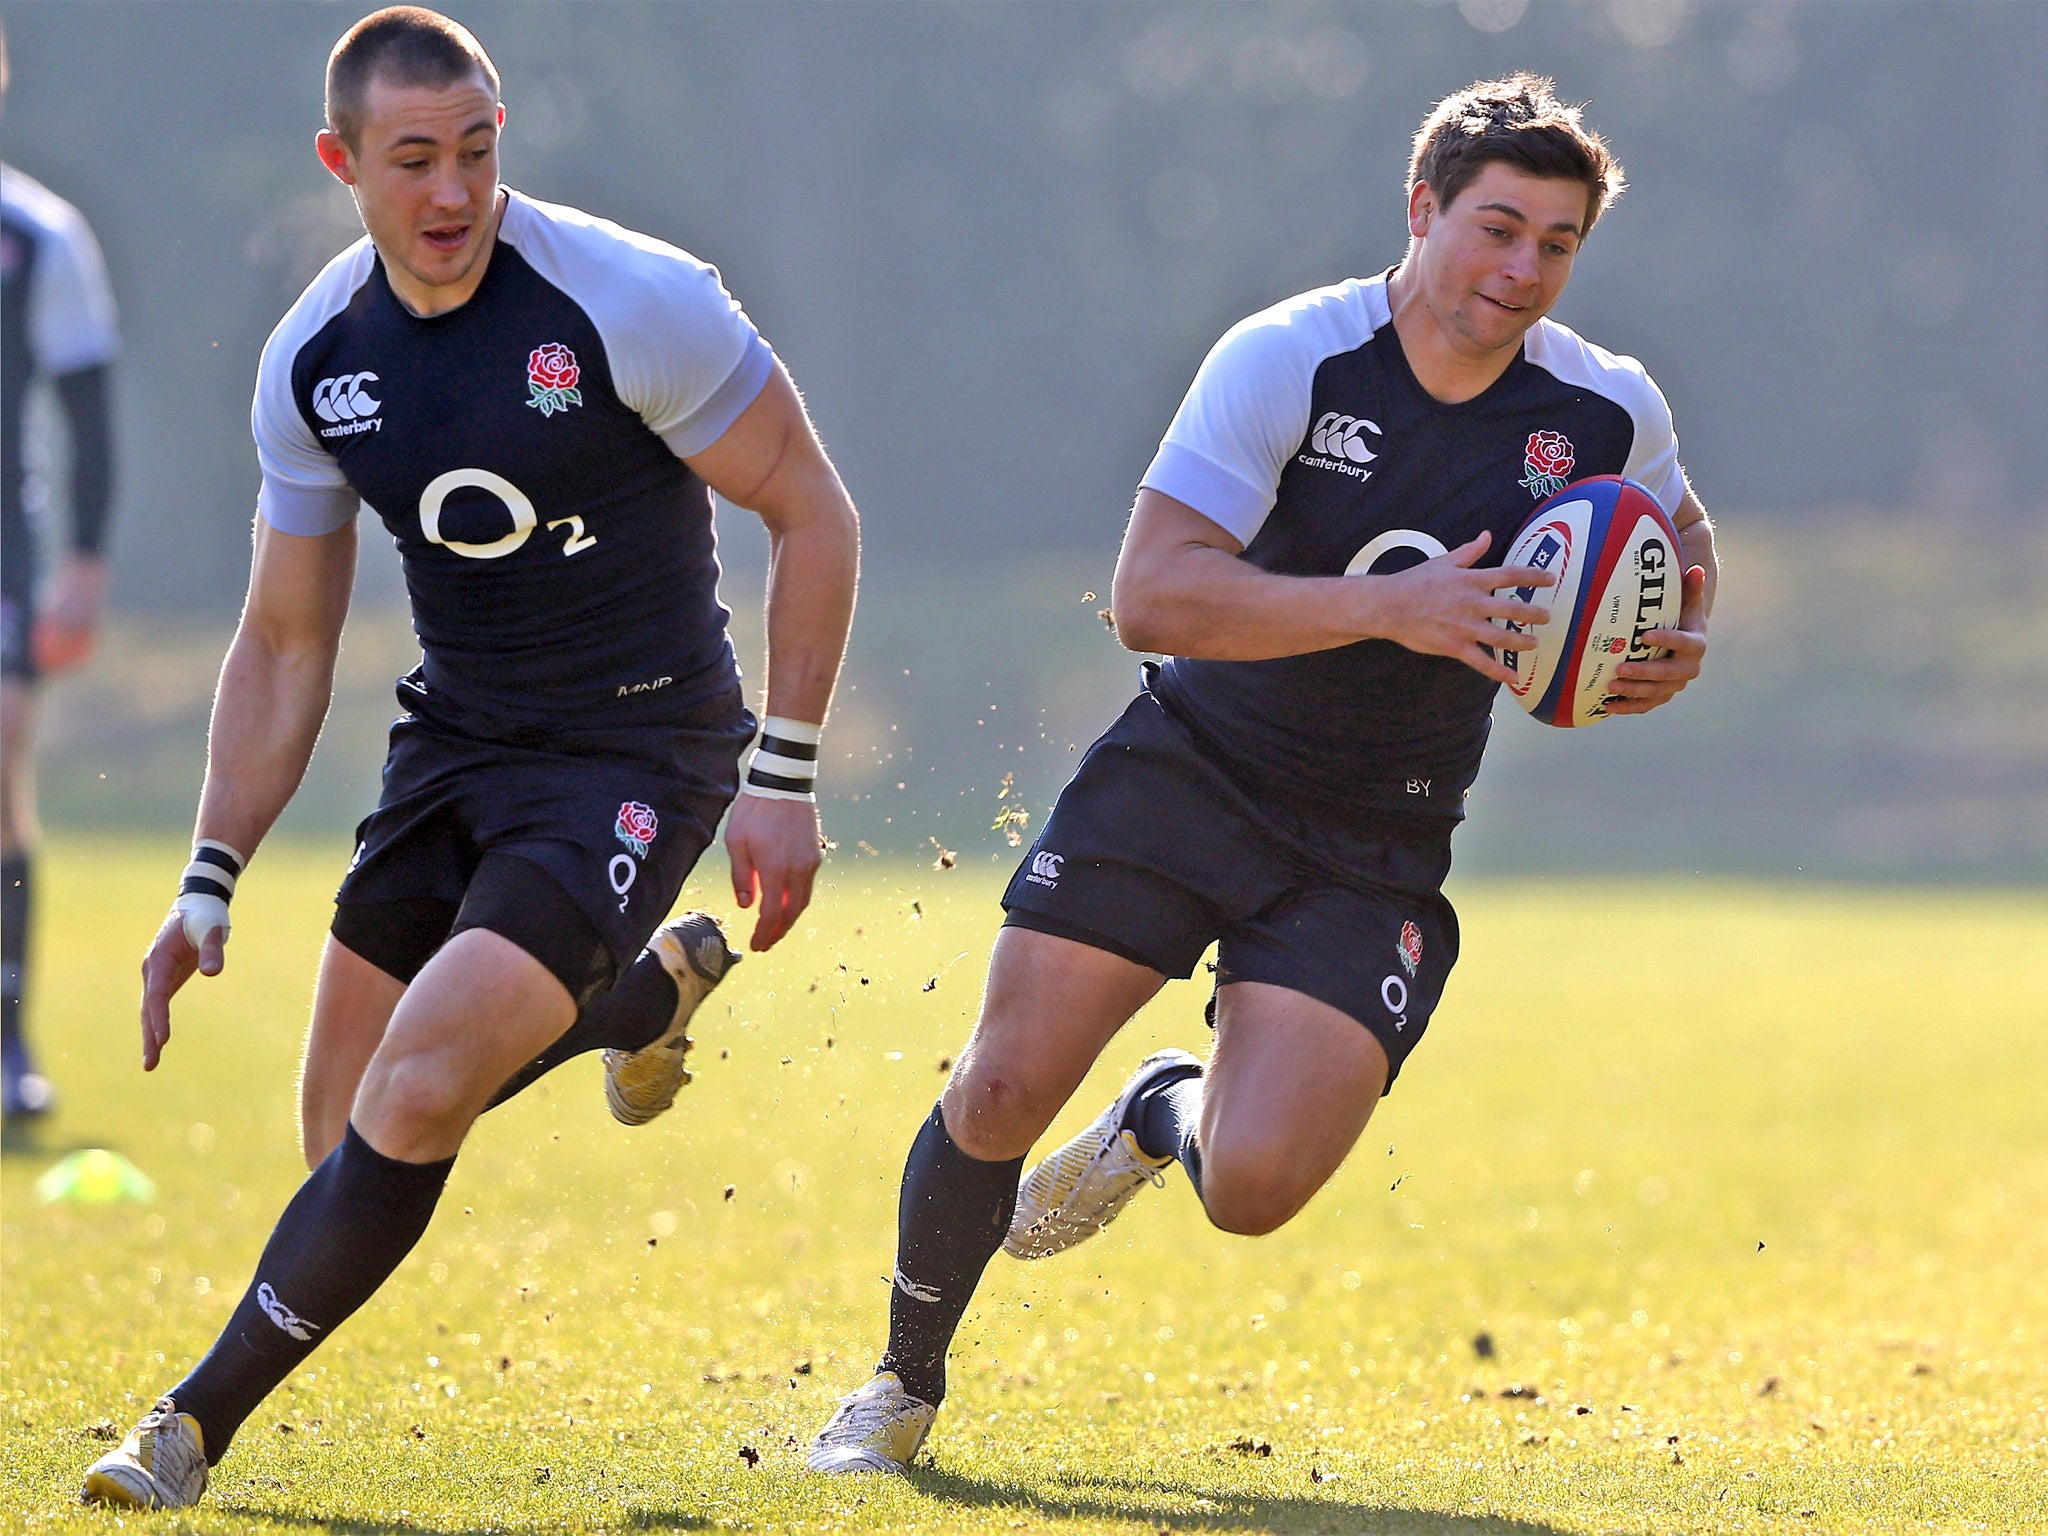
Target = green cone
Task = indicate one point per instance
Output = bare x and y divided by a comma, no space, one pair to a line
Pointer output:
95,1177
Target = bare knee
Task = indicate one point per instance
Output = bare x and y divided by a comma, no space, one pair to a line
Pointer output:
407,1097
1254,1190
994,1112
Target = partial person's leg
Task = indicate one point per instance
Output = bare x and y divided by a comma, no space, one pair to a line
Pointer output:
1051,1006
479,1008
374,951
26,1092
352,1006
1287,1092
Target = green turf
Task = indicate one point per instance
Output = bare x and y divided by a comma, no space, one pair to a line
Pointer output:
1747,1187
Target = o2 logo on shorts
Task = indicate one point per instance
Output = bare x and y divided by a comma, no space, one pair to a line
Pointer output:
1394,993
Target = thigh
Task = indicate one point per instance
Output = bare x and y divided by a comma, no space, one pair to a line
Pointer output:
1289,1087
1051,1006
481,1009
352,1006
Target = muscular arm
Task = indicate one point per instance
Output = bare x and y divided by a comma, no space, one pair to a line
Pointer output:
771,462
276,683
1180,588
267,710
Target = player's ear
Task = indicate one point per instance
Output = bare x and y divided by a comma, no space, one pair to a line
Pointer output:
1421,208
335,154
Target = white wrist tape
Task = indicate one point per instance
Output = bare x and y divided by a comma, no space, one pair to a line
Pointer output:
206,889
203,914
784,765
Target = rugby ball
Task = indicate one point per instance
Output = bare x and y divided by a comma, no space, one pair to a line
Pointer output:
1615,553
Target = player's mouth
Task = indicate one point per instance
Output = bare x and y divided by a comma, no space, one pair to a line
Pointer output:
447,238
1503,304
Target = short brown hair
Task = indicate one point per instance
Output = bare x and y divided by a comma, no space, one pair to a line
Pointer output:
407,45
1520,121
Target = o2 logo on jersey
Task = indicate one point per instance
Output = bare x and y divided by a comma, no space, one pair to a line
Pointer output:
1427,545
346,401
524,519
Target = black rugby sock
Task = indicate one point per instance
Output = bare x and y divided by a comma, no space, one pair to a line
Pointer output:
633,1014
14,873
342,1235
950,1220
1166,1119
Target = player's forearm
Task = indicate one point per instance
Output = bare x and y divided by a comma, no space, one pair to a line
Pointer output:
813,569
1696,543
267,715
1204,602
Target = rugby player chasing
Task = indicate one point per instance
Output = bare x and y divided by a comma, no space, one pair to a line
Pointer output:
538,405
1308,548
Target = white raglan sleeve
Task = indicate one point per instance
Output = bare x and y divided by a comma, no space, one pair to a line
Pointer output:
1243,417
71,318
304,491
1653,458
689,361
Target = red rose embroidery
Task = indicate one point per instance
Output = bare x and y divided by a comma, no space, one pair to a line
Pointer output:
1411,947
1549,453
551,376
1548,459
637,826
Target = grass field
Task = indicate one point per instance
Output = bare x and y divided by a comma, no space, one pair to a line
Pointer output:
1703,1208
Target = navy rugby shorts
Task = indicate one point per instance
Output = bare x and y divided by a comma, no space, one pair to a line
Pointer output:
617,830
1153,852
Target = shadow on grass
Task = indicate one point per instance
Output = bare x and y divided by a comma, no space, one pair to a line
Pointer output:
1166,1504
421,1525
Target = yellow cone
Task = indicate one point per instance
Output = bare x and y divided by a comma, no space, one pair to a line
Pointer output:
95,1177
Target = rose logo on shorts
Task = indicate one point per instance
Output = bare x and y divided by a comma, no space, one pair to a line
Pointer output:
1548,459
551,374
637,826
1410,947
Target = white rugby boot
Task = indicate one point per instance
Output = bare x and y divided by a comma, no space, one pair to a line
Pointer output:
638,1085
880,1428
161,1465
1084,1186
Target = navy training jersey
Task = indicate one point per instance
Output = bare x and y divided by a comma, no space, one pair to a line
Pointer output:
525,450
1307,437
56,317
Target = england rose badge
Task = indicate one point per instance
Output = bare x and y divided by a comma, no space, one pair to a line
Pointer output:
551,376
1548,460
636,826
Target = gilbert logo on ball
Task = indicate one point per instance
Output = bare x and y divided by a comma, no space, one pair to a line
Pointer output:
94,1177
1614,551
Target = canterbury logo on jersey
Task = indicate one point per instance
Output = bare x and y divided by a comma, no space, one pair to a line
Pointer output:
1338,442
1045,868
346,400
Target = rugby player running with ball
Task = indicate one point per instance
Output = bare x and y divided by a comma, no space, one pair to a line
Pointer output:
1308,548
538,405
